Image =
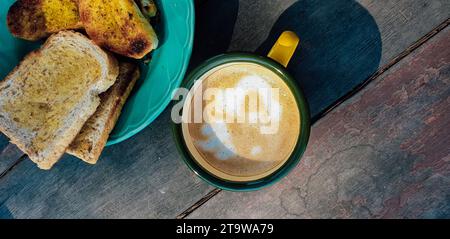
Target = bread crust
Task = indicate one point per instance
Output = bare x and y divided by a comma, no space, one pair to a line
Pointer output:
86,145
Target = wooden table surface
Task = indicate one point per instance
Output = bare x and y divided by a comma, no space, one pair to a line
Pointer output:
376,74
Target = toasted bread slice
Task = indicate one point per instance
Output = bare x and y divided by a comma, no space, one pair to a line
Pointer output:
46,100
119,26
36,19
89,143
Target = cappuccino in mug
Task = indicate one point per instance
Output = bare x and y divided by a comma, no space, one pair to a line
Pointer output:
241,122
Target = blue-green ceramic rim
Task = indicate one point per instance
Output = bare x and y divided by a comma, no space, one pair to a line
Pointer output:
129,130
299,149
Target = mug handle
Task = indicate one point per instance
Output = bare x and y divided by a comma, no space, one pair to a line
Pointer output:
283,50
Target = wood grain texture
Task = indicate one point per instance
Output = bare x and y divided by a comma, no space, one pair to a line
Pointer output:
3,141
144,176
9,154
141,178
343,42
383,154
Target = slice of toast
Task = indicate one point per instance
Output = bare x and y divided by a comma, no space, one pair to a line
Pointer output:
91,140
119,26
46,100
36,19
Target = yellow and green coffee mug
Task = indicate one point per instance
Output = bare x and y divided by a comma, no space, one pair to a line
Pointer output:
276,61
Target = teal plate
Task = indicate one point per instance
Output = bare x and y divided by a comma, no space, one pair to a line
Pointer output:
153,91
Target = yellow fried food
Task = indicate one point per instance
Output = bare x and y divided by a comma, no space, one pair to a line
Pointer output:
36,19
119,26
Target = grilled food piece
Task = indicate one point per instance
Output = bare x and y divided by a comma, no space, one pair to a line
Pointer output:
89,143
36,19
119,26
148,8
46,100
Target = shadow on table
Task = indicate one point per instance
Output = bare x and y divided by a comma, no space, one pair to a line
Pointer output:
214,27
3,141
340,48
5,213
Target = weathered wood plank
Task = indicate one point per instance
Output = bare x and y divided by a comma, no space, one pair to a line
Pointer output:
9,154
343,41
144,176
396,22
3,141
383,153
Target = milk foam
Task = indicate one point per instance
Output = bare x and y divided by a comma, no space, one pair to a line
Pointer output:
233,101
268,111
256,150
219,140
